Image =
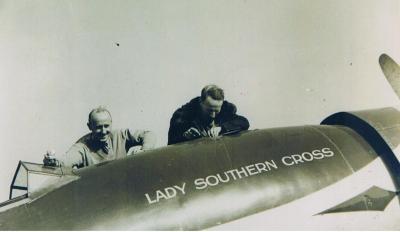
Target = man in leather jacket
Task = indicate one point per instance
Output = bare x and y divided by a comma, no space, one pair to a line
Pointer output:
206,116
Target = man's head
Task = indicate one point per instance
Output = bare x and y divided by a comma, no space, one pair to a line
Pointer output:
212,98
100,123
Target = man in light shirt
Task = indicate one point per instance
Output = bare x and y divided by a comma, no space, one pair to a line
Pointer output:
103,143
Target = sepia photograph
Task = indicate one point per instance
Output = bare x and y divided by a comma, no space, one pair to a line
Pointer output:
200,115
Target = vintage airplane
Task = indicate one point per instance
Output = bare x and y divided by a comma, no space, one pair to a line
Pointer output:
341,174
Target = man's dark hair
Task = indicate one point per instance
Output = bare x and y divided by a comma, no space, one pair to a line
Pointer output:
99,109
213,91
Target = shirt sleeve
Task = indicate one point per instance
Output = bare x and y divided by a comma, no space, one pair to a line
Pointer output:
182,119
145,138
179,123
74,157
233,122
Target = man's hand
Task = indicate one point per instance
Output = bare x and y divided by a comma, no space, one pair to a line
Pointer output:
135,150
191,133
214,132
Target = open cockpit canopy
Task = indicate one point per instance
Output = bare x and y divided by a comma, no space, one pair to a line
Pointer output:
30,177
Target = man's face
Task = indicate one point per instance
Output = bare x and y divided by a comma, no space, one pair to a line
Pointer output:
100,126
211,107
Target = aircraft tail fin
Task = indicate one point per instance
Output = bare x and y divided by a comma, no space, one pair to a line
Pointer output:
391,70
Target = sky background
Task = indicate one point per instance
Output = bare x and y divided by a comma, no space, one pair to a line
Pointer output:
283,63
